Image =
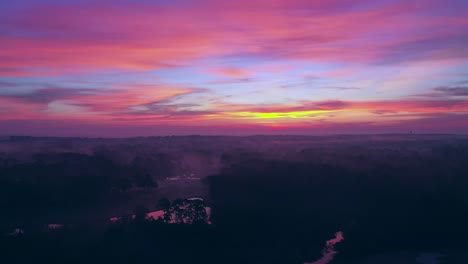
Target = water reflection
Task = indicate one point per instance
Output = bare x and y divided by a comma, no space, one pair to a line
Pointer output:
329,251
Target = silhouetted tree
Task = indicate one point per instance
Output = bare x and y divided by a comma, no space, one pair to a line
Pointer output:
189,211
140,213
165,204
146,181
123,184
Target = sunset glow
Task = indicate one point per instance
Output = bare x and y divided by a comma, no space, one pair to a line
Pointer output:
130,68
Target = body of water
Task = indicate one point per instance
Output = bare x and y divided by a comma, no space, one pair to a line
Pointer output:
329,251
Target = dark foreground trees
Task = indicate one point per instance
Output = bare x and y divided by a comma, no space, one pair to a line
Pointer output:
267,212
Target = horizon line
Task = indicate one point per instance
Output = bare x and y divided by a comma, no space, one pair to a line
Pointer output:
239,136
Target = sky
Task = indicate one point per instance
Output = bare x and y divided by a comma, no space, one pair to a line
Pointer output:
176,67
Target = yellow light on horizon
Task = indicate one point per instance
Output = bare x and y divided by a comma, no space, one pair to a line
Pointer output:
278,115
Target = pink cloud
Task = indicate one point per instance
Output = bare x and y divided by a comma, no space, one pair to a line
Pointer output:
151,36
232,72
47,127
89,37
97,104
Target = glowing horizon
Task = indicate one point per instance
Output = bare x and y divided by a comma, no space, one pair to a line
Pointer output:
129,68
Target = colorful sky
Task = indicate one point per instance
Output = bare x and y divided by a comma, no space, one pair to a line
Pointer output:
139,67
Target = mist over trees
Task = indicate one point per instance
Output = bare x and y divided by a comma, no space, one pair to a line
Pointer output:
272,199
